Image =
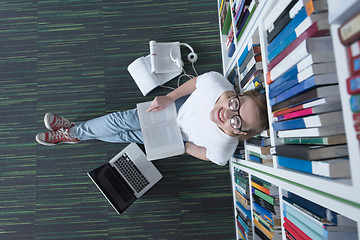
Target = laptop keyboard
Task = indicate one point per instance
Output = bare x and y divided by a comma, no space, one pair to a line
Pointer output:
131,173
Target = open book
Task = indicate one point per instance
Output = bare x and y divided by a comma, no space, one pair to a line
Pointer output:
146,80
160,56
161,133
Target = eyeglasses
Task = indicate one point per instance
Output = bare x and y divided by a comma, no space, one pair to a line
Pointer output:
234,105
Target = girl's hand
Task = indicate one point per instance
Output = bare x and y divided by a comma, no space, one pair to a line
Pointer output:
160,103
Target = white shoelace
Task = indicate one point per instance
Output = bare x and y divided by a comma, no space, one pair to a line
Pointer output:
61,133
62,122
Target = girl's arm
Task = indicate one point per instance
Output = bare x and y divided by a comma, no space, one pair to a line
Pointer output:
162,102
196,151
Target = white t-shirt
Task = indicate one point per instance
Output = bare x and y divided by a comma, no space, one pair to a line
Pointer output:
194,118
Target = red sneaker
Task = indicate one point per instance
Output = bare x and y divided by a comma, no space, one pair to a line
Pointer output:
54,123
54,137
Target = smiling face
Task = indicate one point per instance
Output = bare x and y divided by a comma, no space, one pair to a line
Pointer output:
221,115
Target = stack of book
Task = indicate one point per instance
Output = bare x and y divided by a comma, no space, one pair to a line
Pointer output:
234,18
349,34
226,25
266,209
250,66
257,152
243,11
259,145
305,220
243,212
233,78
303,89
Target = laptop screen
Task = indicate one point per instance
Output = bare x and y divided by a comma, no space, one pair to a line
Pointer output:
113,186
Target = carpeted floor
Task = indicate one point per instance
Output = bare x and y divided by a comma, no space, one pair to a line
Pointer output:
70,57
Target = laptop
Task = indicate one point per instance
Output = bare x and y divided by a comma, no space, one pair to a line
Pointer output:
126,177
161,133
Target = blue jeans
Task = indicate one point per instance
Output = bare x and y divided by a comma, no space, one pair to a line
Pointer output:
117,127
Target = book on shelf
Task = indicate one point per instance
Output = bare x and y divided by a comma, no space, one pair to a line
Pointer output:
251,76
265,223
268,234
264,186
308,104
243,228
252,46
313,132
272,218
324,108
245,212
244,23
350,30
249,69
299,25
244,78
318,28
309,83
319,120
225,18
300,14
280,17
260,141
317,93
318,211
353,84
353,52
320,47
318,229
310,153
252,55
291,75
294,230
321,219
259,235
275,209
258,148
242,19
355,103
231,49
240,5
296,9
260,158
333,168
278,12
273,200
242,201
329,140
255,82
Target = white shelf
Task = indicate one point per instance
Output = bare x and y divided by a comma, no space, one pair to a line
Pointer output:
339,195
321,198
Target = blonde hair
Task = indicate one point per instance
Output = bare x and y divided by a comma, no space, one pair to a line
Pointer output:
261,106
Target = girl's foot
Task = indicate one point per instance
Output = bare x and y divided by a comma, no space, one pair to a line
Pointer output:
54,123
54,137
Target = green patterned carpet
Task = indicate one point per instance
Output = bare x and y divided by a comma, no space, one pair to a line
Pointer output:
70,57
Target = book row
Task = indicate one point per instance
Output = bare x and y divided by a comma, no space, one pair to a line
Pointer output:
304,94
234,17
349,34
263,212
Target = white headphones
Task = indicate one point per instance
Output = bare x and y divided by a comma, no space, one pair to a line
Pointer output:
192,57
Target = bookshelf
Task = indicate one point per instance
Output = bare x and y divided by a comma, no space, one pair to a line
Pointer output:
338,195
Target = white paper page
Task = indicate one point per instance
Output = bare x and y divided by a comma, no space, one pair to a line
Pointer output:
162,142
156,118
141,73
162,59
161,134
